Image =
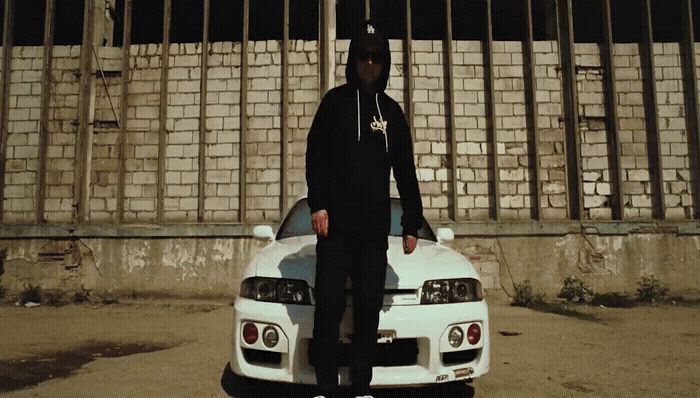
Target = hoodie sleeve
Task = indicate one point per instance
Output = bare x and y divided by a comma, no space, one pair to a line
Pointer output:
317,156
405,175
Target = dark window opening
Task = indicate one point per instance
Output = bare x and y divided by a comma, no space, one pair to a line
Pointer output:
469,20
147,21
428,19
187,21
117,14
29,23
544,20
266,17
349,14
390,17
303,19
226,20
666,24
627,20
509,20
588,21
68,22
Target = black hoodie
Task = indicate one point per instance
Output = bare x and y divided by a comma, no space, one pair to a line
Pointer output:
349,156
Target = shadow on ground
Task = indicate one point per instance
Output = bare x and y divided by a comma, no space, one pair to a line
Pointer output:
240,387
16,374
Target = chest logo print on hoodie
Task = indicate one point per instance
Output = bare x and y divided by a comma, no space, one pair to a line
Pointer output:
379,125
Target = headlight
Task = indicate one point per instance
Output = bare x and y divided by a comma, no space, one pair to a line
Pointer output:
276,290
451,291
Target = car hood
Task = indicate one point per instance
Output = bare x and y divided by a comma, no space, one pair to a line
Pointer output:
295,258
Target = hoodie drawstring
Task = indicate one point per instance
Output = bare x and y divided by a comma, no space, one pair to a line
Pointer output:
358,115
381,119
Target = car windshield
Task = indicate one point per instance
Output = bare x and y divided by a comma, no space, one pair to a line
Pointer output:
298,222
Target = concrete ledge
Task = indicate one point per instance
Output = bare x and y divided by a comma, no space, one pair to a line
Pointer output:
464,229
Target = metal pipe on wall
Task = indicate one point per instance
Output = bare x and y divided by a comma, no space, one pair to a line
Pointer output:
611,118
532,109
47,79
491,114
8,29
571,116
284,103
123,107
203,93
243,165
651,114
163,111
690,84
451,109
86,116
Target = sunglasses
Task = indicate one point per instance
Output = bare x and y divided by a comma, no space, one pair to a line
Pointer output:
367,56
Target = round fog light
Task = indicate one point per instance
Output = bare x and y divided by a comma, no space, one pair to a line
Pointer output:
473,334
270,337
250,333
456,336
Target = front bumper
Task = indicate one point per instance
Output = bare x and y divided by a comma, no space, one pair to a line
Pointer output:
427,324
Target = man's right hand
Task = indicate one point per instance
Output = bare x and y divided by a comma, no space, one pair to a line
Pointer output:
319,221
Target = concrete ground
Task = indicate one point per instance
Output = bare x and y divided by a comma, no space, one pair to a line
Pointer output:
179,348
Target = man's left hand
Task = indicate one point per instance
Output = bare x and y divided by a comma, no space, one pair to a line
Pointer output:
409,244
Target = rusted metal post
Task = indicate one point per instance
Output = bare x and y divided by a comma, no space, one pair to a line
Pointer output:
47,79
162,132
203,90
491,114
324,47
408,72
451,108
573,139
532,109
612,124
8,29
126,56
284,103
243,167
651,114
690,84
86,108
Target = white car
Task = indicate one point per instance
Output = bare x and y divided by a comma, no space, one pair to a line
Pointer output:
433,327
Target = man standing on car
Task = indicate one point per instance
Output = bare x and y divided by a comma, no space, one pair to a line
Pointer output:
359,134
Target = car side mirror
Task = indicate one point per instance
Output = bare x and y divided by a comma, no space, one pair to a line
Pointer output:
263,232
445,235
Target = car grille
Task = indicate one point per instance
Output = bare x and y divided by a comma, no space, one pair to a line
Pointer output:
455,357
260,357
400,352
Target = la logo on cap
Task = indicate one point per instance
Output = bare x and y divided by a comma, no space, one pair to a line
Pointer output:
370,29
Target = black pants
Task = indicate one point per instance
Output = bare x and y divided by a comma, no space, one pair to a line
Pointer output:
366,266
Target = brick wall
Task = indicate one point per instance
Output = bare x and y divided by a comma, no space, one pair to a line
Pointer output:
432,148
551,130
141,146
182,124
673,133
105,150
430,123
23,135
473,149
595,161
511,126
223,133
634,161
303,102
63,130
